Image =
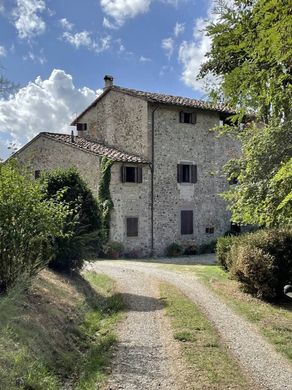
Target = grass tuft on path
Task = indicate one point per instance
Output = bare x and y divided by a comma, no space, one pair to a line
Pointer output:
58,333
274,321
208,363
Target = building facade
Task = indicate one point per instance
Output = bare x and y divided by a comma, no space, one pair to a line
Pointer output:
168,165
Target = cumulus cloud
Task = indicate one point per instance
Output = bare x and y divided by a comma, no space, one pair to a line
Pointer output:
27,19
84,39
43,105
167,45
144,59
192,53
2,51
179,28
66,25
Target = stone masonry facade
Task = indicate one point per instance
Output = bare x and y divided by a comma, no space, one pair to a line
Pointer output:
148,129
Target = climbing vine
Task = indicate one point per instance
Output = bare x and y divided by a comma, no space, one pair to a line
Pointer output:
104,197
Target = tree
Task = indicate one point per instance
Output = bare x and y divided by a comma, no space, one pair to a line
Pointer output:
7,87
81,230
28,224
251,53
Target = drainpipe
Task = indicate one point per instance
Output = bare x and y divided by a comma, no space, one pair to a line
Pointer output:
152,178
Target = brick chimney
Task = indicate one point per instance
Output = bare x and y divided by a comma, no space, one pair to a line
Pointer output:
108,81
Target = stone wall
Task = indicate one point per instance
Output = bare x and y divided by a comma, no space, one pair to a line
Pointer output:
119,120
46,154
177,142
131,200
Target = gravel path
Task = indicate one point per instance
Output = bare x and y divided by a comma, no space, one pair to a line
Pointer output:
267,368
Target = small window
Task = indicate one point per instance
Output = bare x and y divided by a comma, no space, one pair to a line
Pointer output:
209,230
81,126
233,181
187,226
131,174
188,117
186,173
132,227
37,174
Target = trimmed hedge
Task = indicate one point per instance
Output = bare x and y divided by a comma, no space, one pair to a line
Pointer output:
261,261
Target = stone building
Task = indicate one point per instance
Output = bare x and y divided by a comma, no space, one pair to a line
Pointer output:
167,170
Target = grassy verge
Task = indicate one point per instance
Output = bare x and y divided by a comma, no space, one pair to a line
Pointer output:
209,364
273,321
58,333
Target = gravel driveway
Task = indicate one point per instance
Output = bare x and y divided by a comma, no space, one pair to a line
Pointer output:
146,356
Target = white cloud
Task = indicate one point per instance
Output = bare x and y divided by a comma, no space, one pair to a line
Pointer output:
26,18
43,105
144,59
108,24
84,39
168,45
66,24
2,51
35,58
2,9
179,28
192,54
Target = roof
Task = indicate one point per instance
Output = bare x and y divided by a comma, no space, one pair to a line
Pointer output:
96,148
161,98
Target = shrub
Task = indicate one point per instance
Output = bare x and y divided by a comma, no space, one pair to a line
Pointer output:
223,247
174,250
262,262
209,247
191,249
27,225
82,232
113,249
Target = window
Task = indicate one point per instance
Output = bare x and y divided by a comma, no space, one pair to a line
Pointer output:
209,230
81,126
187,117
187,173
131,174
233,181
187,222
37,174
132,227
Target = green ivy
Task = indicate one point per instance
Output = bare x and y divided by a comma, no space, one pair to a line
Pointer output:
104,195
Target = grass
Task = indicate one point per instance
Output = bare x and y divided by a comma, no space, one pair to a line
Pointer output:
58,333
209,365
273,321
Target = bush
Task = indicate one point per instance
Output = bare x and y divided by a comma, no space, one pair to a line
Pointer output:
113,249
262,262
209,247
82,233
174,250
191,249
223,247
27,225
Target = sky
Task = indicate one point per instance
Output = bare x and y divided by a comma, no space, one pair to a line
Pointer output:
58,52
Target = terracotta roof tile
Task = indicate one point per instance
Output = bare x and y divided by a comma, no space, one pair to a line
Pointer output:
96,148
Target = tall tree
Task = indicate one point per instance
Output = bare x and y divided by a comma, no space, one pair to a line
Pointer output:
251,52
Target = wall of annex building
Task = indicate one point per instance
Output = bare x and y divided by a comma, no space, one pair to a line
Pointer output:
119,119
45,154
131,200
175,143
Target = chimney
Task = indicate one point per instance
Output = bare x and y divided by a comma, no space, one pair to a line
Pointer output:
108,81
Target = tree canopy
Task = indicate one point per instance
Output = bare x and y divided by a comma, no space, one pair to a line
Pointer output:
251,52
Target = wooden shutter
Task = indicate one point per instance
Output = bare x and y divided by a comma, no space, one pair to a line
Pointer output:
194,118
132,227
187,222
123,174
179,173
139,174
194,174
181,117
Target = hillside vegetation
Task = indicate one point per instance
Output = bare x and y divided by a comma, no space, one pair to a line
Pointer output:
58,333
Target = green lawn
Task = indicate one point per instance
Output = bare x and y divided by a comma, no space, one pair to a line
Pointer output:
208,363
273,321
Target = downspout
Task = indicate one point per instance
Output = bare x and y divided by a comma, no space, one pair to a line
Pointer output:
152,178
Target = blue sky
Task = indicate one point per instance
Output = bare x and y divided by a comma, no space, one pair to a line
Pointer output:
59,51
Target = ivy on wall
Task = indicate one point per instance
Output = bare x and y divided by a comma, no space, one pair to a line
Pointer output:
104,196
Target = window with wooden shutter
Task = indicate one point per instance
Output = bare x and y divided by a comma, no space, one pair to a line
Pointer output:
131,174
132,227
187,173
187,226
188,117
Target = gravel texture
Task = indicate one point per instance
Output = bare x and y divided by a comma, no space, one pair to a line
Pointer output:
144,359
